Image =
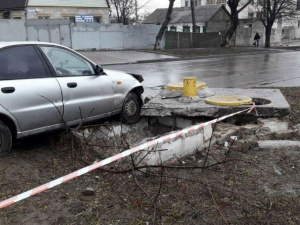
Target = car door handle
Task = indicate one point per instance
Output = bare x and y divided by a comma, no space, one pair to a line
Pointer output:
72,85
8,90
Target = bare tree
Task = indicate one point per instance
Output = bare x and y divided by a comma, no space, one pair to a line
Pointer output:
272,10
123,9
165,25
193,15
234,17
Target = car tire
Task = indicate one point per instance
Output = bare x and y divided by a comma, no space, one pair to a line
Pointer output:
5,138
131,111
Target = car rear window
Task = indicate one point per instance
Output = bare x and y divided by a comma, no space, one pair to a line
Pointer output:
20,62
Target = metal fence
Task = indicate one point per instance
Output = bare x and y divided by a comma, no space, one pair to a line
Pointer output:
175,40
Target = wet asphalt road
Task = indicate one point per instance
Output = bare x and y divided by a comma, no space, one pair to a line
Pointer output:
272,70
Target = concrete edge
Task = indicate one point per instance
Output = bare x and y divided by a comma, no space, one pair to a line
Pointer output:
195,58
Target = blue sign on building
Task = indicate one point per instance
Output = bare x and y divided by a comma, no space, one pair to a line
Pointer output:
84,19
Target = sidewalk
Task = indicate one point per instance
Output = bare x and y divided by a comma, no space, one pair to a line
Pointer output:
123,57
150,56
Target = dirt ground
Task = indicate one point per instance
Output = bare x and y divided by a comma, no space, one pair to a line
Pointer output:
250,187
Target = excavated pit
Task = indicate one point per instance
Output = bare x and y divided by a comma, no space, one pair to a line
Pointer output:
168,113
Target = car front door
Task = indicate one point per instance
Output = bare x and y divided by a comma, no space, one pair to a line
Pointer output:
27,89
86,95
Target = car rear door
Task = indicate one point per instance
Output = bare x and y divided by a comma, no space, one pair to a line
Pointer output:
85,94
28,91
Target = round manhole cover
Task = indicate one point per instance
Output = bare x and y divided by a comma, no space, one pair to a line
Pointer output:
229,100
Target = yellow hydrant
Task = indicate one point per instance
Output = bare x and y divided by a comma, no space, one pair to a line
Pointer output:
190,87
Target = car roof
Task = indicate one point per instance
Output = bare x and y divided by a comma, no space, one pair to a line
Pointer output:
12,43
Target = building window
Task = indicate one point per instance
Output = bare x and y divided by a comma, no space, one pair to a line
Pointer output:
273,32
173,28
210,2
70,18
6,15
97,19
187,4
43,17
186,29
198,2
17,17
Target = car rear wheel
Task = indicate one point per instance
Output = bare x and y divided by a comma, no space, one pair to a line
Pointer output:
131,111
5,138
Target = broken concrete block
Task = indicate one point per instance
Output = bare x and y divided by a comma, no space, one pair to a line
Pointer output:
247,130
88,191
245,145
285,134
278,144
166,104
297,127
274,124
147,99
178,147
183,123
223,131
264,133
208,132
217,134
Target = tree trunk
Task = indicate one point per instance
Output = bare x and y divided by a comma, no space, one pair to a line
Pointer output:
165,24
234,17
268,36
193,16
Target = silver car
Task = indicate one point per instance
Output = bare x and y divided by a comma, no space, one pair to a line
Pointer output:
47,86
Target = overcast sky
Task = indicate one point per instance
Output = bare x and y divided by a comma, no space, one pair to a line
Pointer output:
154,4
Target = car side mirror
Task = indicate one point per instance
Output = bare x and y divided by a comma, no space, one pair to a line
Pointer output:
99,69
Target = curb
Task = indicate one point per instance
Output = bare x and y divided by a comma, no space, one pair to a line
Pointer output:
196,58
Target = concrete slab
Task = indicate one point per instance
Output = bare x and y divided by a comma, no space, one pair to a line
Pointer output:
274,124
162,106
122,57
278,144
186,145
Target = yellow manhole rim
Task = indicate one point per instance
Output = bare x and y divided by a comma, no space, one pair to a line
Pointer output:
229,100
179,86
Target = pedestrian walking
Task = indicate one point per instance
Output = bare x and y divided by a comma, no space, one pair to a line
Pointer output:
256,39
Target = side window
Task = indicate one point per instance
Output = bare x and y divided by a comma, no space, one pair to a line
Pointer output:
20,62
67,63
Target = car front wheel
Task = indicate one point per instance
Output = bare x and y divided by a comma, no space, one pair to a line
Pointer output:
5,138
131,111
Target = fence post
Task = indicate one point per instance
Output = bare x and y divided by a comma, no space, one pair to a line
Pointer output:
71,37
178,39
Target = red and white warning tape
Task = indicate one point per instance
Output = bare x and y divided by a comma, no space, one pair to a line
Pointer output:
114,158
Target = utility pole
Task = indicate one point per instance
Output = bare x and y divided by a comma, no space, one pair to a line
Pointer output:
193,16
136,13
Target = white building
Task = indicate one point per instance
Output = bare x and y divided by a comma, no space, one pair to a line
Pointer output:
93,10
248,12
